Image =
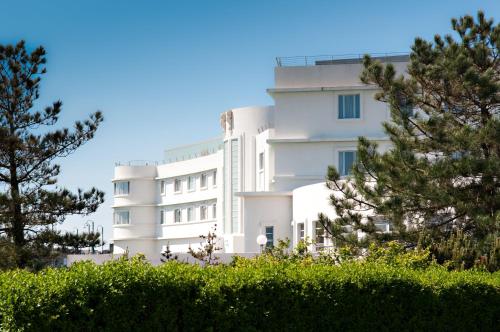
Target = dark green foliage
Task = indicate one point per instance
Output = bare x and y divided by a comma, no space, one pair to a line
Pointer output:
441,175
30,200
252,295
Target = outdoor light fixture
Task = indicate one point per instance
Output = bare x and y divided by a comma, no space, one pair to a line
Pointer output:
261,241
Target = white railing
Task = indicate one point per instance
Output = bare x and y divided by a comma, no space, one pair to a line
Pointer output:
314,60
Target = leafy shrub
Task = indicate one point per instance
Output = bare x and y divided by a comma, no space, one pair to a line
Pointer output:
251,295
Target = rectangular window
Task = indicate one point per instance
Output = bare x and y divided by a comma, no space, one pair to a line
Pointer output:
214,211
214,179
177,185
162,217
191,182
270,236
320,235
349,107
261,172
203,181
190,214
346,161
177,215
122,188
261,161
235,185
162,187
203,212
121,217
300,232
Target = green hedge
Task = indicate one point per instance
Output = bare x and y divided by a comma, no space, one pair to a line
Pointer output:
256,296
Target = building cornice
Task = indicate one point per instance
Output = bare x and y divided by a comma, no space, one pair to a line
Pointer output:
272,91
321,140
263,193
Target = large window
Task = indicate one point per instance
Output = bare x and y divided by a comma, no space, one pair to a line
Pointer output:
190,214
349,107
177,185
320,235
121,217
177,215
122,188
300,232
191,182
270,236
346,161
203,212
261,171
235,185
203,180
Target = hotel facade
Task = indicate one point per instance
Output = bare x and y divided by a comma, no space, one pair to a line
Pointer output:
264,175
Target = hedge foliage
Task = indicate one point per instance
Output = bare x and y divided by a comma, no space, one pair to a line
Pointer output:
251,295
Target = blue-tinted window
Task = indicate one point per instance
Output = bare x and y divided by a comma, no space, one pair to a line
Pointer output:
270,236
349,107
346,161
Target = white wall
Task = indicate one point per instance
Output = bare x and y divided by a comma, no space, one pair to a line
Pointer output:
266,210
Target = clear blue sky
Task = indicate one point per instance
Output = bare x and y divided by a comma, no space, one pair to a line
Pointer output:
163,71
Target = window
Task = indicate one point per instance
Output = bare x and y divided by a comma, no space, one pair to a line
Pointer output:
177,185
214,211
203,212
214,179
407,110
346,162
162,187
121,217
203,181
270,236
190,213
320,234
349,107
177,215
300,232
191,182
122,188
162,217
261,171
383,227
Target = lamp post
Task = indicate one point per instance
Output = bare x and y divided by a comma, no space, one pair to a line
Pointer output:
88,223
102,236
261,241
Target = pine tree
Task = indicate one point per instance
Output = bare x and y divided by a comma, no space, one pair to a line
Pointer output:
30,200
441,175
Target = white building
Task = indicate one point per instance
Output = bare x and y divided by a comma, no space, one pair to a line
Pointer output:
265,175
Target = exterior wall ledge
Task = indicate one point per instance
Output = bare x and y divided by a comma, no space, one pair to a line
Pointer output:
272,91
263,193
132,178
320,140
134,205
187,223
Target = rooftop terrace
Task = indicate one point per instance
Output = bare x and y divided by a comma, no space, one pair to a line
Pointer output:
317,60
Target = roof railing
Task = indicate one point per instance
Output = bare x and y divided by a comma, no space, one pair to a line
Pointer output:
314,60
137,163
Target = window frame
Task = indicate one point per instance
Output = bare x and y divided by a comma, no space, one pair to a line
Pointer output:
163,187
270,241
116,186
177,212
341,162
191,179
177,190
190,213
214,211
203,176
116,213
203,212
214,179
341,111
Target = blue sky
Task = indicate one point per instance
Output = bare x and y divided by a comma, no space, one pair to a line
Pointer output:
163,71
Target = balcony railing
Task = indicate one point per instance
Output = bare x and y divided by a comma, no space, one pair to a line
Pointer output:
192,151
315,60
